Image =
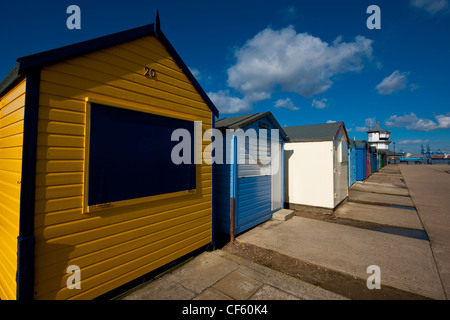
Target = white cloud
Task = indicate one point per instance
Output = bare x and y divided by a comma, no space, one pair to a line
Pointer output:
413,87
369,123
228,104
413,122
443,121
331,121
286,61
286,103
195,73
396,81
320,104
289,13
418,141
294,62
431,6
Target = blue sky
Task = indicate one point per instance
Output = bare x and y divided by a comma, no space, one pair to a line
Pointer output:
305,61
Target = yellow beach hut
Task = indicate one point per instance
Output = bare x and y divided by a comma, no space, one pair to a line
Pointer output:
87,185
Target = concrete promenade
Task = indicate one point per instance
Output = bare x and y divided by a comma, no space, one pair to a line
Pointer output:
429,187
410,198
388,198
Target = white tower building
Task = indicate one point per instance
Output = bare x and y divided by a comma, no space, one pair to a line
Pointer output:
378,137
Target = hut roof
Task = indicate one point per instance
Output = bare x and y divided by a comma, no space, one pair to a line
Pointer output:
361,143
315,132
38,60
378,128
239,122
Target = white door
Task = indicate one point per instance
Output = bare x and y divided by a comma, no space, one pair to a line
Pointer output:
276,167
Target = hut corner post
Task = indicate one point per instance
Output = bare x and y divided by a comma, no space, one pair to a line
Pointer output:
26,239
232,213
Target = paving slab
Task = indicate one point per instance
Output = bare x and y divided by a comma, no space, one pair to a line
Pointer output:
219,275
389,176
378,188
267,292
379,199
429,187
237,285
442,256
212,294
390,168
405,263
161,289
301,289
390,216
202,272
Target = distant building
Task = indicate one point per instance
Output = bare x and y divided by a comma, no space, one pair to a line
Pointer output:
379,138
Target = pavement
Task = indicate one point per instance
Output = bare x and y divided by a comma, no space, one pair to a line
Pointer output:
219,275
411,198
405,263
430,189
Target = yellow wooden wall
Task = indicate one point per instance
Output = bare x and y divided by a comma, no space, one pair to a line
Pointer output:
11,141
116,245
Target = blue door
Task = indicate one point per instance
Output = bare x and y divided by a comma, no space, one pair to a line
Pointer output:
360,164
351,166
253,205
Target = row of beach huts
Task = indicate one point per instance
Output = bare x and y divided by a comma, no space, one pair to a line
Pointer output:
86,177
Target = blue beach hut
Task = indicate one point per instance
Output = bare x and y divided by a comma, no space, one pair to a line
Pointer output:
245,191
373,160
361,156
351,162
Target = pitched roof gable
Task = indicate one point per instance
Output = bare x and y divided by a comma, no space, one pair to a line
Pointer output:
315,132
41,59
378,128
243,121
361,143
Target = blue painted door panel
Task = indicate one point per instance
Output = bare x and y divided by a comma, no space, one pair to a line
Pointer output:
360,164
352,166
254,205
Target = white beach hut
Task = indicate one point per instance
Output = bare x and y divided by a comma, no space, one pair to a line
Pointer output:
316,167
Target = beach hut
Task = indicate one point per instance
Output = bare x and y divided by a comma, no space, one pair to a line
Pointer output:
382,158
90,197
316,166
351,162
247,190
361,160
373,159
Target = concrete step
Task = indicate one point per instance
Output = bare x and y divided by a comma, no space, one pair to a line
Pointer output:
283,214
380,199
378,188
383,215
